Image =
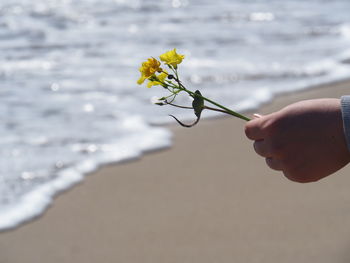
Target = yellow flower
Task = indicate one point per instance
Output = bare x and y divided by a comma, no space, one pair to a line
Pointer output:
148,69
172,58
160,79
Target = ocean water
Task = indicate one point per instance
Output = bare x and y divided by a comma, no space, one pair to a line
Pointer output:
68,69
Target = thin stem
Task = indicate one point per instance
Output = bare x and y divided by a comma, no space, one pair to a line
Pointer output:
178,106
185,125
214,109
226,110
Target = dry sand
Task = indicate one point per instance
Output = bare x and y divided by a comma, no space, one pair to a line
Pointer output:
209,198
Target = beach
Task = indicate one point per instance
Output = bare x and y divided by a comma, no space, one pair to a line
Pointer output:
208,198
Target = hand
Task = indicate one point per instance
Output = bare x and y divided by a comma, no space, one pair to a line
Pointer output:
305,140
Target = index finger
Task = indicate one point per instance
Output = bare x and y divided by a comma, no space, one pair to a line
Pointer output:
254,129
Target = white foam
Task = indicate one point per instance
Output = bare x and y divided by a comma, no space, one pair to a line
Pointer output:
38,199
345,31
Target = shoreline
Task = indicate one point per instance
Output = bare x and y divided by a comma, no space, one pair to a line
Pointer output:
63,185
168,205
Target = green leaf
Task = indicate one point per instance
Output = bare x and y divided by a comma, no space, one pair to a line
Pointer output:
198,103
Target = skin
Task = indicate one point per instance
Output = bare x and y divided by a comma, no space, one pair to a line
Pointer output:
304,140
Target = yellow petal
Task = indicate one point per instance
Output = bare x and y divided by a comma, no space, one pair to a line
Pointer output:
148,69
162,76
141,80
172,58
151,84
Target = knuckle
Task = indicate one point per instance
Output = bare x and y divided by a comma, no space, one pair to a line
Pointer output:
292,176
278,124
273,125
277,148
273,164
299,177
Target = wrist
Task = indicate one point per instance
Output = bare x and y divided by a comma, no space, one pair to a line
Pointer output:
345,110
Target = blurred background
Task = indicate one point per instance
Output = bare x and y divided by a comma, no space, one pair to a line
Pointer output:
69,101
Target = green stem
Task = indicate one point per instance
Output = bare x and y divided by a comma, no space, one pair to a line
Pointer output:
227,110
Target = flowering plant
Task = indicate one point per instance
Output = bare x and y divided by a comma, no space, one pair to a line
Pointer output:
152,71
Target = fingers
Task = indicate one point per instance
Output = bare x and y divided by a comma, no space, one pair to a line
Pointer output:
262,148
274,164
254,130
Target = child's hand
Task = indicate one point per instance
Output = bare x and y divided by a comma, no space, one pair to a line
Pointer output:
305,140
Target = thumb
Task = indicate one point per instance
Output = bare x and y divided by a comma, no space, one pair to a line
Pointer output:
257,115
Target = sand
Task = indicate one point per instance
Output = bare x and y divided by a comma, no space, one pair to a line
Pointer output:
209,198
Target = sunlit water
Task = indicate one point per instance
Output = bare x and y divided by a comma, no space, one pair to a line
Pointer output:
68,97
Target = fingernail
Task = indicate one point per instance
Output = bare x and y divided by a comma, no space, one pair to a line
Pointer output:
257,115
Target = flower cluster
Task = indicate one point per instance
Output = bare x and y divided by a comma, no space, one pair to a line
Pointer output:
152,71
150,67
